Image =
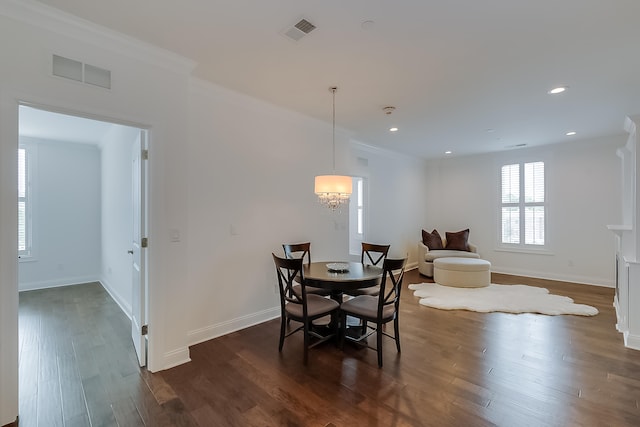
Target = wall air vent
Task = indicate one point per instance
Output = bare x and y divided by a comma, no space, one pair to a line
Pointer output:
84,73
299,30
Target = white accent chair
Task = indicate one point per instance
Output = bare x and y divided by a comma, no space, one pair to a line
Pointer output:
426,256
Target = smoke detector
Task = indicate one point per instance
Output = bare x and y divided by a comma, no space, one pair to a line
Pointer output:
388,110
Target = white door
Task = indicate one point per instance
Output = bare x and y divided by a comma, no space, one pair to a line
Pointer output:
138,301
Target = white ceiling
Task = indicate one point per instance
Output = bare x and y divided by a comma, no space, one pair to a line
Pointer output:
48,125
464,75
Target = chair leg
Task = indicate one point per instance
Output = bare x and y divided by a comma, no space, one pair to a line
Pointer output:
379,344
396,328
306,342
343,329
333,326
283,325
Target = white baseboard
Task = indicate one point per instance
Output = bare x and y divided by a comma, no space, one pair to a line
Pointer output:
411,266
176,357
56,283
597,281
631,341
223,328
124,305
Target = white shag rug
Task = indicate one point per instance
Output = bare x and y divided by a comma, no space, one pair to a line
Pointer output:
504,298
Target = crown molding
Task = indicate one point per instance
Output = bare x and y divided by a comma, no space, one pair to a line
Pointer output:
48,18
385,152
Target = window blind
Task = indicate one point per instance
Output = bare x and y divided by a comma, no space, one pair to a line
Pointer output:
523,217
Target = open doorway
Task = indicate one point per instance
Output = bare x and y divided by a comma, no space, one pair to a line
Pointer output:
82,209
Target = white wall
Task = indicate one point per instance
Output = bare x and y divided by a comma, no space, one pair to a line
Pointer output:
583,196
150,91
397,198
83,217
251,176
66,222
117,213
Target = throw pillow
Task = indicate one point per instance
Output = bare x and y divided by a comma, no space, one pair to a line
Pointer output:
432,240
458,241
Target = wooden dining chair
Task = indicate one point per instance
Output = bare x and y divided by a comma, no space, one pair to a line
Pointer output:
302,251
304,309
372,254
298,250
377,310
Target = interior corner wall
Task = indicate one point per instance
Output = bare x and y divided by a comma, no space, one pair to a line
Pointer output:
397,198
117,213
251,175
66,218
433,193
583,196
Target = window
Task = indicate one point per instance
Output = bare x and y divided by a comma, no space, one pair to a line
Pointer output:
357,216
522,216
24,205
359,207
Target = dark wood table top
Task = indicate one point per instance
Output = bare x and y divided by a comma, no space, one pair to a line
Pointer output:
359,276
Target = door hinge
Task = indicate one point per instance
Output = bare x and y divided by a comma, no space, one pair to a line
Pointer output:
145,329
145,242
145,154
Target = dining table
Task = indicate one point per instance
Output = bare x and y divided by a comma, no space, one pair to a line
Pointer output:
339,277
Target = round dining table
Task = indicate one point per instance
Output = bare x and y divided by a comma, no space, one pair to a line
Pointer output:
353,275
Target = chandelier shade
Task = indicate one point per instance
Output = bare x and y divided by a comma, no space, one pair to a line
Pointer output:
333,190
340,184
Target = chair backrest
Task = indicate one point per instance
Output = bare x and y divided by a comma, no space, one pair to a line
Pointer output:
374,253
391,285
286,270
298,250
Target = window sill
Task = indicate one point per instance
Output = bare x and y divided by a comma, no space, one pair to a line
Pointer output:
525,251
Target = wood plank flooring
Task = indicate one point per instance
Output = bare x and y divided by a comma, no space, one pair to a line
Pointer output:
457,368
78,366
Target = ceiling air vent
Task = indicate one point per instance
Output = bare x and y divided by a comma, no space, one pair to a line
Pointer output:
299,30
84,73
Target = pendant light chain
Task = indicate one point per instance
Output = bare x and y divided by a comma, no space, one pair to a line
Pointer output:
333,89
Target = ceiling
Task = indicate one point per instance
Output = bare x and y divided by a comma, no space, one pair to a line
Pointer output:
52,126
464,75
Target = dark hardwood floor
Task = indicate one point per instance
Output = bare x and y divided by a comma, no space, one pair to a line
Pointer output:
78,366
457,368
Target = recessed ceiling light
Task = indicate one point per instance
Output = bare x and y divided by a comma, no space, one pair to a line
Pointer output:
571,133
394,129
447,152
557,90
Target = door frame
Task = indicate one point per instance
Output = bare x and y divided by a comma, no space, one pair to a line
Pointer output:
145,201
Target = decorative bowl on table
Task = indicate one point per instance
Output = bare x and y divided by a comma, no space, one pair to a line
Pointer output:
338,267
